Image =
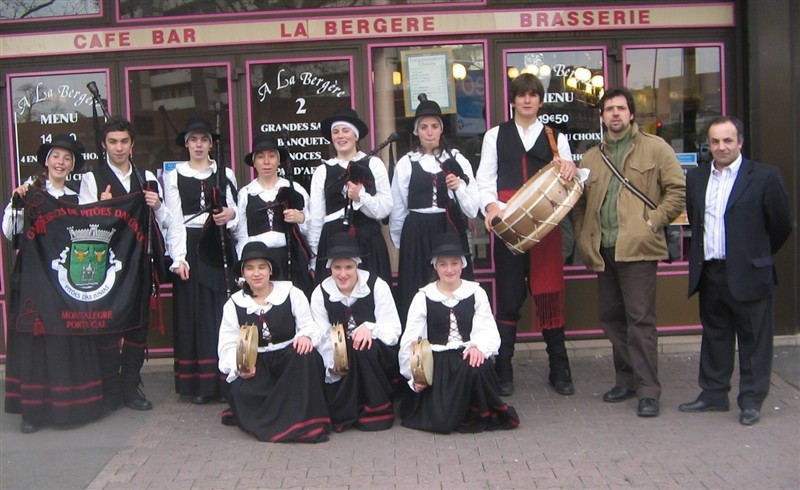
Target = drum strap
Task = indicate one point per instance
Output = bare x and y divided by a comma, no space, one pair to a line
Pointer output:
553,146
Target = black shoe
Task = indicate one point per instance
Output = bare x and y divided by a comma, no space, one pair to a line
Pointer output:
135,400
563,387
618,394
228,417
28,427
648,407
749,416
506,388
201,400
701,406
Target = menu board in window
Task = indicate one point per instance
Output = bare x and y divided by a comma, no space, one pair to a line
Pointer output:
290,99
43,105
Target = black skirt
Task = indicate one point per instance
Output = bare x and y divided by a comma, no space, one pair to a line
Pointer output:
416,244
462,398
285,400
363,398
53,379
196,315
373,247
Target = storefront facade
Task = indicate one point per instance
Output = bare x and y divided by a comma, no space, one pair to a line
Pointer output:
284,71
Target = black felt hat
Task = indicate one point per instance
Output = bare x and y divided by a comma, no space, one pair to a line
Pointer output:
62,141
345,114
447,245
343,246
428,108
266,142
198,125
257,250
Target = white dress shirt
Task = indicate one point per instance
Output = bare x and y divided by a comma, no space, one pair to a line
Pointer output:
467,194
484,335
177,232
376,207
720,184
229,328
386,327
272,239
487,170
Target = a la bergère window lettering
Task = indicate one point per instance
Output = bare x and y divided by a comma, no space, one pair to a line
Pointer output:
289,100
46,105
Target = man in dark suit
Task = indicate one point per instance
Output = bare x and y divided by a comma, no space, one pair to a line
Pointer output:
739,215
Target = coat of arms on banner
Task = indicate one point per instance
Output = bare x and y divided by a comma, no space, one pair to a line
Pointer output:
87,268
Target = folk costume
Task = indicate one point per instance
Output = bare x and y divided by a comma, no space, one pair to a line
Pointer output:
260,212
285,400
330,208
424,208
122,366
510,156
198,301
50,379
461,398
362,397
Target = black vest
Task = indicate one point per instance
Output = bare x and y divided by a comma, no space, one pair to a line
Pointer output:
509,156
70,198
363,310
264,216
104,176
279,320
439,319
335,199
192,189
422,185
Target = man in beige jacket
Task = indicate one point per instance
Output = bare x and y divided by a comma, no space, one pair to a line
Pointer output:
622,239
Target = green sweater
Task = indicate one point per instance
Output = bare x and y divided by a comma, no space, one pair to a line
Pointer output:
608,211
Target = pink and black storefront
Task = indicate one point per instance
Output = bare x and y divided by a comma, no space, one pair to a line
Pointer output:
270,69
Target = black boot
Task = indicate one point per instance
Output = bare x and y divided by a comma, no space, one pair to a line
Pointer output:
130,376
560,373
108,356
502,363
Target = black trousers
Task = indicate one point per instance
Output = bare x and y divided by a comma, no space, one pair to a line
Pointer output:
511,272
724,321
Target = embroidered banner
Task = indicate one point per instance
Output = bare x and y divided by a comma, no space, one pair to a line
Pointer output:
83,269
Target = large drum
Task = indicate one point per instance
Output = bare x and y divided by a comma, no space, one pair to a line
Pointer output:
341,363
247,348
422,362
537,208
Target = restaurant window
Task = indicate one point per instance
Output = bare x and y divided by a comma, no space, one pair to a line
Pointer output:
574,82
289,99
162,99
47,104
677,90
454,76
42,9
136,9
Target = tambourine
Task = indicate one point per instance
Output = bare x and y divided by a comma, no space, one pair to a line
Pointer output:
247,348
537,208
422,362
341,365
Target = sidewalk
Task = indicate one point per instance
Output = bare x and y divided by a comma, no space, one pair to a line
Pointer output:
562,442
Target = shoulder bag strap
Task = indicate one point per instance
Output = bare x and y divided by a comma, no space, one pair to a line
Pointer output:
625,182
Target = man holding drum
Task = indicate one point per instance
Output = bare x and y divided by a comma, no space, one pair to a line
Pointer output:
511,154
622,239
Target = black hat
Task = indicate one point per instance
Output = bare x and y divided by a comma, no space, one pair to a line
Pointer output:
447,245
345,114
343,246
266,142
62,141
428,108
195,124
257,250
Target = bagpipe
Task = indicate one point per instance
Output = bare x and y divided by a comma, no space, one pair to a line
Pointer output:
455,215
155,246
358,172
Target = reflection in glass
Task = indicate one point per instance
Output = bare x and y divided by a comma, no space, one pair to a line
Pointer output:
464,128
161,102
